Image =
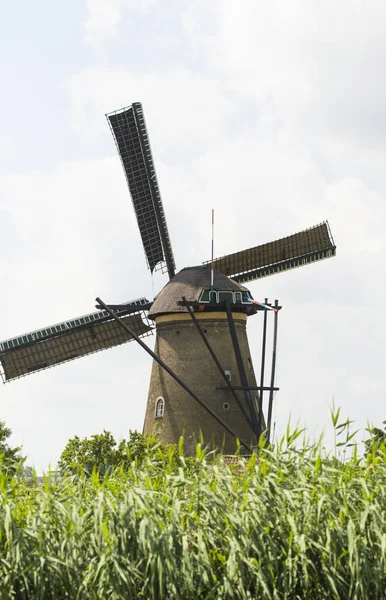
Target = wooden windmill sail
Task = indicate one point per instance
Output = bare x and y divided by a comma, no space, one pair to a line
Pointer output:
201,337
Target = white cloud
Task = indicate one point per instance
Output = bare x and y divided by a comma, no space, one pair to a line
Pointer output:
104,16
179,105
320,65
64,237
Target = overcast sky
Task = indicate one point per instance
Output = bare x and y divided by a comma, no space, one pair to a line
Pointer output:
272,113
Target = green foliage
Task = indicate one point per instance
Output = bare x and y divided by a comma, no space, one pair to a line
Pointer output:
376,444
100,453
9,457
289,523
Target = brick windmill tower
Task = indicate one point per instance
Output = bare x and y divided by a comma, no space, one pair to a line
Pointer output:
202,380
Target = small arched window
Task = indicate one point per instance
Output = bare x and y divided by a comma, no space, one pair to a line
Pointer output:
159,408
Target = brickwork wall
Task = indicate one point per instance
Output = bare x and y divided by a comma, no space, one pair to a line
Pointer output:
179,344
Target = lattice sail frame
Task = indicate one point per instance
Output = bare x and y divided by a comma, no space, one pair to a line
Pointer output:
129,130
310,245
66,341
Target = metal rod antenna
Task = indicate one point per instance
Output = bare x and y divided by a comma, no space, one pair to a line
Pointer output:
212,263
218,364
171,373
272,372
260,396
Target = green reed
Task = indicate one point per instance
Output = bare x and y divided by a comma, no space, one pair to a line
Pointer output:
288,522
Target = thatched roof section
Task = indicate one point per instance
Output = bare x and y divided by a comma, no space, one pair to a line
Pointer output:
189,282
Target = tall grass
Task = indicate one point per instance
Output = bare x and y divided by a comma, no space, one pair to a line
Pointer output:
289,523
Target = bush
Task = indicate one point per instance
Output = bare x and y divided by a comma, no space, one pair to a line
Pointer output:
101,453
9,457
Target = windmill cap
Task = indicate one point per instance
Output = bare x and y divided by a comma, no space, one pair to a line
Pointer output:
190,283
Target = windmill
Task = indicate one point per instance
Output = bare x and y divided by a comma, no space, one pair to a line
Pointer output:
202,377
